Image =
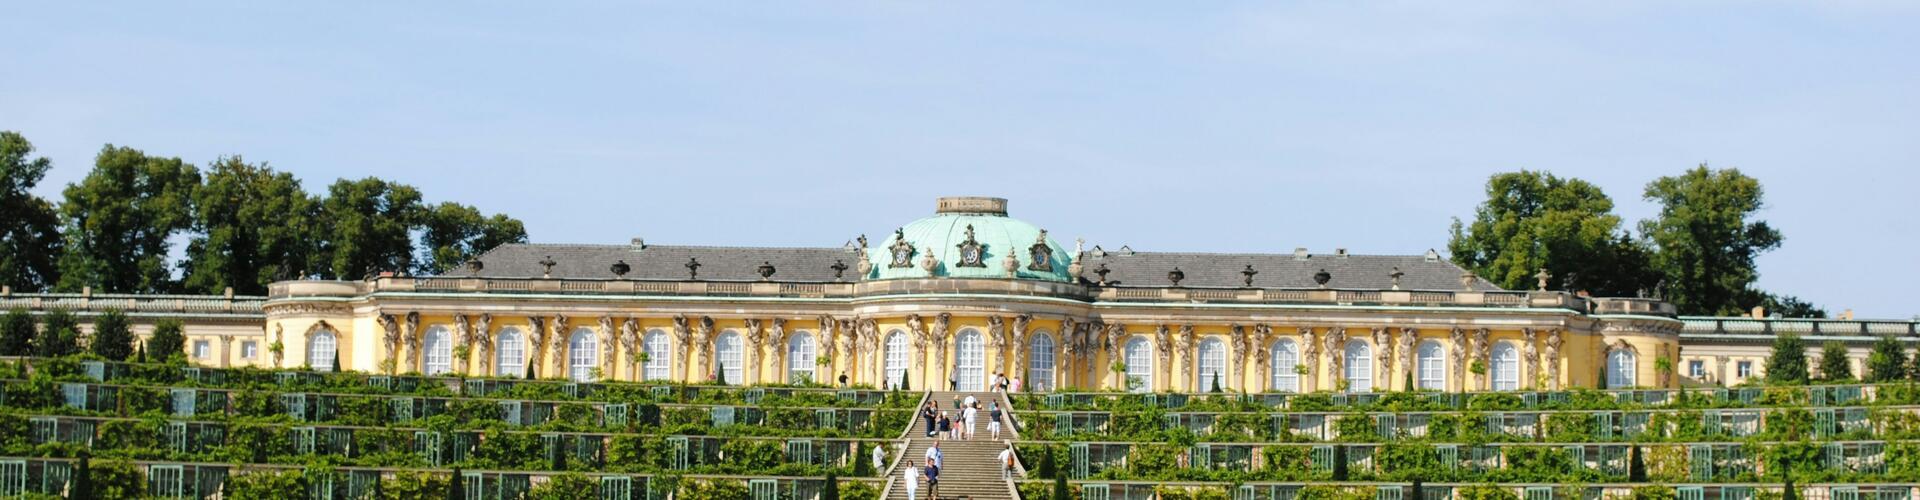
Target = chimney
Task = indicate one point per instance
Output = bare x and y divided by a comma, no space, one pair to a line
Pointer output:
638,244
1340,252
6,290
1433,256
1846,315
1759,312
1300,253
229,293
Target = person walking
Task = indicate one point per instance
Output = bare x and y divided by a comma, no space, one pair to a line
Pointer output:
928,413
993,419
913,479
935,460
954,382
879,458
946,425
968,417
1006,462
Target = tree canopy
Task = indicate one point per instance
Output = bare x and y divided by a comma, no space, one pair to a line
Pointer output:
1788,361
1533,220
255,226
119,218
112,336
1707,239
30,243
453,233
369,227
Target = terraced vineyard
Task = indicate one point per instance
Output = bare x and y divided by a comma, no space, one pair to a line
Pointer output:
1831,442
182,432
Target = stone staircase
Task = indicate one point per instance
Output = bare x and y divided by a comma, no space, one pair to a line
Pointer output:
972,466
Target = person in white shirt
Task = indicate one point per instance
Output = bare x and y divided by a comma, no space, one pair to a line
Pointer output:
879,458
913,480
971,415
965,403
1006,463
1016,385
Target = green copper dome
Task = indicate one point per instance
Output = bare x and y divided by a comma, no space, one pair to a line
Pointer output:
970,237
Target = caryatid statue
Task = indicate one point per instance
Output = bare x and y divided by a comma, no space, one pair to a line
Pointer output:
462,336
682,332
630,342
1458,355
755,335
411,332
1530,356
1383,354
1238,359
1019,338
389,340
557,346
917,330
1553,359
1336,340
997,342
940,341
483,337
609,346
536,342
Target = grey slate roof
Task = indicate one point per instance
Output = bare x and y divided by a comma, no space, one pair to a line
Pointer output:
1365,272
1149,269
662,262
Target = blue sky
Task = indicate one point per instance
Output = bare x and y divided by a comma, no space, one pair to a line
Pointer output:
1228,127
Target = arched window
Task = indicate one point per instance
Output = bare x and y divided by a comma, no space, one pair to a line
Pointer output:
1621,367
971,360
1433,366
1359,366
320,351
659,356
583,355
1139,365
1213,366
1506,367
437,351
1040,363
727,352
800,358
510,355
1286,366
896,366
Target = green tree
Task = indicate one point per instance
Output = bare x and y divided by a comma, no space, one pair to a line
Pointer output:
112,336
1533,220
1636,465
59,335
1888,361
168,341
82,480
1787,364
1833,361
369,224
255,225
1060,491
16,333
119,218
831,490
30,244
457,488
1705,239
453,233
566,486
1788,306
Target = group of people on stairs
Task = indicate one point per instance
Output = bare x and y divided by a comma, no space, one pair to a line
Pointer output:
961,426
944,426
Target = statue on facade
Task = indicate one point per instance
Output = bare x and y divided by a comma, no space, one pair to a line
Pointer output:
1553,359
1383,356
462,336
681,333
922,339
1018,337
1238,358
411,332
997,342
1310,356
609,346
1336,340
630,342
557,346
940,342
1407,336
755,337
1457,354
1483,351
483,337
1528,355
389,340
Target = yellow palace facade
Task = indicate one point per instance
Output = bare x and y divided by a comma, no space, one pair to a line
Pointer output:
962,296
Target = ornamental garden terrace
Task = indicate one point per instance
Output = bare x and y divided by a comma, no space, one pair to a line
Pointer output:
648,370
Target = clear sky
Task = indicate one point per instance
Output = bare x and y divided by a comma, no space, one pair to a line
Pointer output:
1228,127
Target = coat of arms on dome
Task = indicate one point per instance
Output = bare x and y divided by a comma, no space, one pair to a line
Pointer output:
901,250
1042,254
971,253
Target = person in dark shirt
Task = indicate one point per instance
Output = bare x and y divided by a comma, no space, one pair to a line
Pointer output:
928,414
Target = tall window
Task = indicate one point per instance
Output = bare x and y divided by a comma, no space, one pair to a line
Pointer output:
800,358
1140,364
436,351
1213,366
1433,366
971,360
1621,365
659,356
1359,361
320,351
896,366
727,352
202,349
1286,366
1506,367
510,353
583,355
1040,363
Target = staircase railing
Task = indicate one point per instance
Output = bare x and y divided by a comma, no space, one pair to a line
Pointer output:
1011,434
